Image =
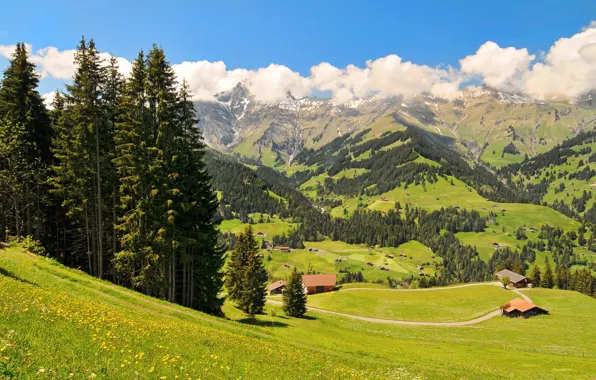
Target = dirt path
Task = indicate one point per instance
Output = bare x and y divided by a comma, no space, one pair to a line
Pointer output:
483,318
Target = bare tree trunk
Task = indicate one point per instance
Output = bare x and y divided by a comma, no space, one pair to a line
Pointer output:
184,288
173,277
192,279
114,221
99,207
88,239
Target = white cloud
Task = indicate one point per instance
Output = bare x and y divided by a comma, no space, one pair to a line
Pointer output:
501,68
48,99
7,50
389,75
568,68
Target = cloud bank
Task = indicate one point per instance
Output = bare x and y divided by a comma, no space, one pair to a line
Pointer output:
567,69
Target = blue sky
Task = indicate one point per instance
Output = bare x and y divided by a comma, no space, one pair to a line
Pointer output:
297,34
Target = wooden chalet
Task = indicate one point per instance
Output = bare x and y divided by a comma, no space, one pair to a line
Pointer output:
284,249
277,287
319,283
516,279
518,308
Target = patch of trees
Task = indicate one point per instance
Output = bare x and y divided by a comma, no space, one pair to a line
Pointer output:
113,179
350,277
510,149
435,229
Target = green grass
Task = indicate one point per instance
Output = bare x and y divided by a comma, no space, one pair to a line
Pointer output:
55,313
56,322
277,226
357,256
459,304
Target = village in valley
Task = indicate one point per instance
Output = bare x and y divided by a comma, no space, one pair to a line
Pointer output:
316,283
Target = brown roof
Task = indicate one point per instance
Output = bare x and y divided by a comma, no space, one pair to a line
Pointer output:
277,284
519,305
514,277
319,279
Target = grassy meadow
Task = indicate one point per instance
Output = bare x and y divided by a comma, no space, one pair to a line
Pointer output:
355,258
458,304
56,322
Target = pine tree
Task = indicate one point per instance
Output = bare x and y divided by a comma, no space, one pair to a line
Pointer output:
246,279
133,141
562,277
548,280
14,173
80,146
535,275
294,297
255,292
235,275
21,106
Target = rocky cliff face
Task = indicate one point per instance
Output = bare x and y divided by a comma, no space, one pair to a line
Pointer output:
482,121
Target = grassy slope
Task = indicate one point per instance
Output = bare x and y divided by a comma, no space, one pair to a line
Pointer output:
458,304
357,256
277,226
54,313
57,321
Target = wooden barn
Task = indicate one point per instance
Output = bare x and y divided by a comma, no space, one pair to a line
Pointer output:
277,287
516,279
518,308
319,283
284,249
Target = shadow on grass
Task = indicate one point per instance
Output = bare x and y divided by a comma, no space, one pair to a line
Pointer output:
263,323
309,318
7,273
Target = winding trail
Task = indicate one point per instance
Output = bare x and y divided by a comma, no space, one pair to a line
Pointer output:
480,319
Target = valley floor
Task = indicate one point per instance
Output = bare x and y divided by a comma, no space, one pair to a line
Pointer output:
56,321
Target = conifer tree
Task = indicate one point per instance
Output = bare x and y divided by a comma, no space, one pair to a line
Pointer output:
562,277
21,107
80,146
535,275
246,279
133,139
255,292
234,280
294,296
548,280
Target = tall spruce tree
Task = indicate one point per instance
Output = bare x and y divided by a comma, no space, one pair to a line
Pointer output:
294,296
21,106
246,279
548,279
168,231
535,275
81,145
195,226
134,139
255,292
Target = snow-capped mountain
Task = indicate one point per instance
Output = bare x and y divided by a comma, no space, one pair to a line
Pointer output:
481,120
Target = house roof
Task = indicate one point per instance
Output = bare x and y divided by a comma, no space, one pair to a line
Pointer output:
277,284
519,305
514,277
319,279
